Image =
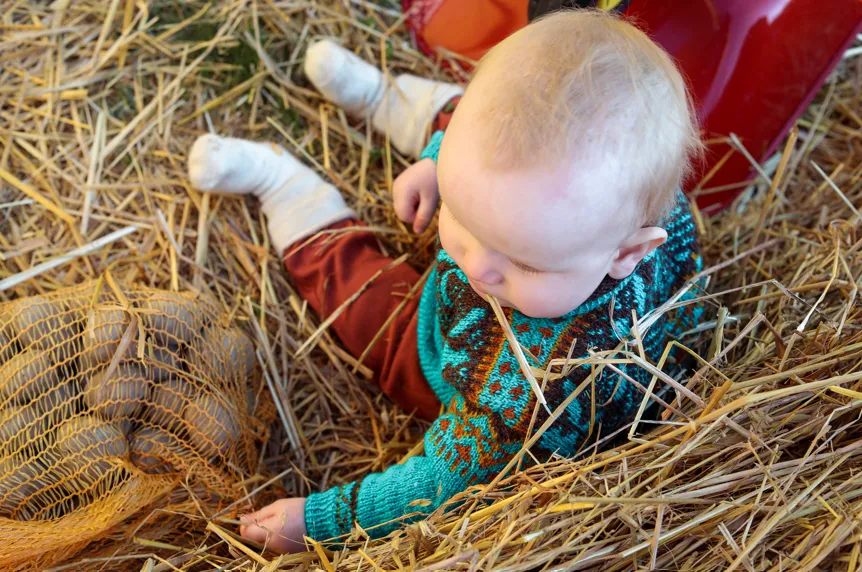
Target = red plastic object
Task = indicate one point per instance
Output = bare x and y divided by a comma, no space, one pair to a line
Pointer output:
753,65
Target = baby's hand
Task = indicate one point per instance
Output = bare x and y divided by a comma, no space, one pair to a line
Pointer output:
280,525
415,194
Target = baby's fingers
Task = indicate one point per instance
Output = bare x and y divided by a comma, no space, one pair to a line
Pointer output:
424,214
252,524
412,188
256,534
269,532
280,525
406,201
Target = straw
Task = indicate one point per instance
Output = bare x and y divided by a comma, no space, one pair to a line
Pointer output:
752,462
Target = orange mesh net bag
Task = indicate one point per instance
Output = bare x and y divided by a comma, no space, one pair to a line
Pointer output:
113,400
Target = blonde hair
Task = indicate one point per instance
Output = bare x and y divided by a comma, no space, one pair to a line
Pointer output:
585,80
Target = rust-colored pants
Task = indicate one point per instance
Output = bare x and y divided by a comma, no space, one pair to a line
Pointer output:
331,269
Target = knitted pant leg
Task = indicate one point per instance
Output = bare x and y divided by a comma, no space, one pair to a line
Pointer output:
330,269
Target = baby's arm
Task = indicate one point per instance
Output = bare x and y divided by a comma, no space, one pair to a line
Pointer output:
463,447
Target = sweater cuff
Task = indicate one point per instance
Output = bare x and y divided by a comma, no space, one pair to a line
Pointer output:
433,148
380,503
325,517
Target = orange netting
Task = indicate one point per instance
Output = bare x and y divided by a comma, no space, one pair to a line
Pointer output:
113,399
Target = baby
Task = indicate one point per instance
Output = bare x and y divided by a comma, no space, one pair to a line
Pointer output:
557,182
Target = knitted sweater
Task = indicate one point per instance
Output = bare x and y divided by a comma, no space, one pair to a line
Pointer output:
469,364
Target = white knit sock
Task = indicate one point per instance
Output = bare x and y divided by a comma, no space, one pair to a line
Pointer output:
408,108
405,108
344,78
296,201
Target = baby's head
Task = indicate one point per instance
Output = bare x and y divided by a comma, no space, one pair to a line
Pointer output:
562,159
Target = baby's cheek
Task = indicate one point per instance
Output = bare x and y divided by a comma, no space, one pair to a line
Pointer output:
547,297
448,238
532,296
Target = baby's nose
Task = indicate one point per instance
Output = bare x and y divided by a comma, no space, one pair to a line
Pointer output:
491,277
479,267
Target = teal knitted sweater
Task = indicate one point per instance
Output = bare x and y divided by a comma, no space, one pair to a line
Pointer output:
489,403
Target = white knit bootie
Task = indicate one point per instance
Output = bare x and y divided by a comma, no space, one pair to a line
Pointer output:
296,201
404,109
344,78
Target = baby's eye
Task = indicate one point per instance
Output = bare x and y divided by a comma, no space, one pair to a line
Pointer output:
524,268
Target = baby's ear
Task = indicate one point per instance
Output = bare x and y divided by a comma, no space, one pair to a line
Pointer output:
634,249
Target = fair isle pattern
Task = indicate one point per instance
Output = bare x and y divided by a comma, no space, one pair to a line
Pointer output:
468,362
476,361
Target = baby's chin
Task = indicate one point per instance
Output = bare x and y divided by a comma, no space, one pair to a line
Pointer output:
531,312
503,303
528,312
487,297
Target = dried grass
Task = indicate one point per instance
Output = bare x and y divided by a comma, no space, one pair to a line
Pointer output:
99,101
